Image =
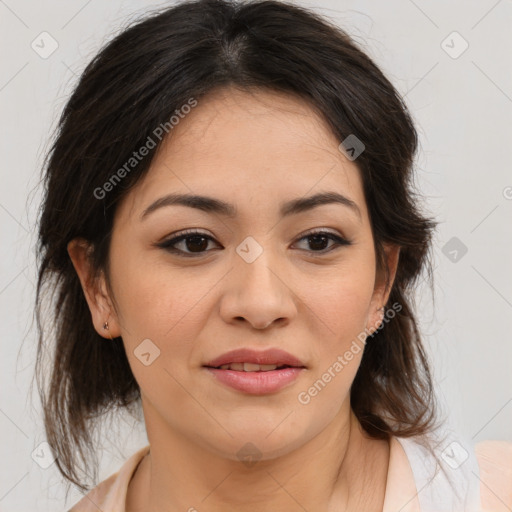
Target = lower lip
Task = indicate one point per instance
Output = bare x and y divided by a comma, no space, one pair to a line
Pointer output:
257,383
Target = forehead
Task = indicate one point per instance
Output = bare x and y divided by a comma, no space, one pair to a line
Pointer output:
258,145
230,123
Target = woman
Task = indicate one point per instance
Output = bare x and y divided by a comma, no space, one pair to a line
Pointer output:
231,232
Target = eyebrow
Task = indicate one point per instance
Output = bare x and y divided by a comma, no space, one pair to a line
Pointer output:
217,206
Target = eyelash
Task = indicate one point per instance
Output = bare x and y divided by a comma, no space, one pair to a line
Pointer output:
167,244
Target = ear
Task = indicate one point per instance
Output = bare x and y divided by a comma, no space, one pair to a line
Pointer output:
94,288
383,285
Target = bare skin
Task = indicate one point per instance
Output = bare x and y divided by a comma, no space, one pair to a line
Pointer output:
255,151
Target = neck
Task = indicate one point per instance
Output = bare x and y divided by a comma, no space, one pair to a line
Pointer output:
340,469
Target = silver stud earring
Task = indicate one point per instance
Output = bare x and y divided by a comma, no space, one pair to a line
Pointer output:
105,325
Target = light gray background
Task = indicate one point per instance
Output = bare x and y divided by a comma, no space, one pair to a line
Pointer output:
463,110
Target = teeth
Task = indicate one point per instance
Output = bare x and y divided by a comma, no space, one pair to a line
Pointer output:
267,367
249,367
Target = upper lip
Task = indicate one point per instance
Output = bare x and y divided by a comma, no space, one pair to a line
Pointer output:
245,355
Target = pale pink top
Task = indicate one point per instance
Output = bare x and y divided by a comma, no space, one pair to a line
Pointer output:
483,480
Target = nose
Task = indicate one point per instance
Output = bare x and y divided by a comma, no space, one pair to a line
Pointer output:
258,293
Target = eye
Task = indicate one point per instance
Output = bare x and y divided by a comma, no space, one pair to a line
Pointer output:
318,239
195,242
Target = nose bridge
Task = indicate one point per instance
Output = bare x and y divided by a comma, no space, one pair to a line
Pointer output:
257,266
257,292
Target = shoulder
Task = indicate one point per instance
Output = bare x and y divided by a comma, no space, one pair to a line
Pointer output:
110,494
453,473
495,464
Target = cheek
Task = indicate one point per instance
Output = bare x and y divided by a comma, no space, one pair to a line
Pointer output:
169,307
162,318
154,299
341,315
340,304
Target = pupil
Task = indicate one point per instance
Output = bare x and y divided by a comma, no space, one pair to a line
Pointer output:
317,238
199,246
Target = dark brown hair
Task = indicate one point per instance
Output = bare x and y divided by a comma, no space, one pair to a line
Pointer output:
135,84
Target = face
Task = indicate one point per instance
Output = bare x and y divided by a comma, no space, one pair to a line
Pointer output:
259,277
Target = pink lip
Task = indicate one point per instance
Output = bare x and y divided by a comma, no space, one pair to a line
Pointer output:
244,355
261,382
257,383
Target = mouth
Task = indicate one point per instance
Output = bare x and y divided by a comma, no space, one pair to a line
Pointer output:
251,367
249,360
256,372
